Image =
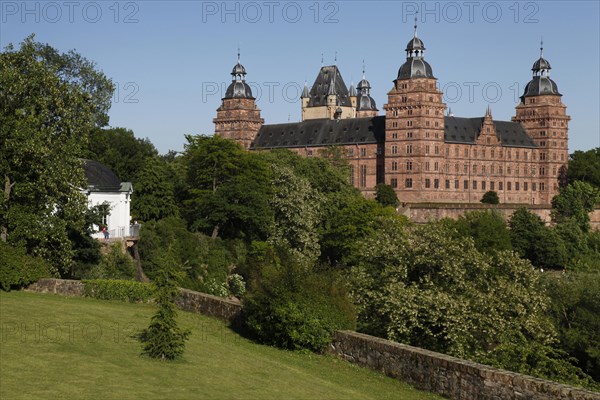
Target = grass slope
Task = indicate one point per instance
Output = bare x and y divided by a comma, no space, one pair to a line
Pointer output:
76,348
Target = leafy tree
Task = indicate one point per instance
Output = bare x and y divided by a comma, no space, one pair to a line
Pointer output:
585,166
293,305
297,213
154,192
487,228
490,197
576,308
121,151
421,286
163,339
386,196
531,239
49,103
228,189
575,202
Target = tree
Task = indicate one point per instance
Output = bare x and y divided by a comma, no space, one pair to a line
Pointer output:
49,103
490,197
154,192
575,202
297,214
163,339
386,196
585,166
531,239
228,189
487,228
422,286
121,151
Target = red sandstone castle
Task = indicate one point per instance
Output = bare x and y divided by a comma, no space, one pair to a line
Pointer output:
424,154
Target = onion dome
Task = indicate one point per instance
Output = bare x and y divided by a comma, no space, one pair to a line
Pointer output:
365,102
540,84
238,88
415,65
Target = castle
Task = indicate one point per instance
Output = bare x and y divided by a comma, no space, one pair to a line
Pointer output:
420,150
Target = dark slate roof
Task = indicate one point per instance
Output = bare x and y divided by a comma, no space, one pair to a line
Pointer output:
415,67
540,85
99,177
325,83
466,130
319,132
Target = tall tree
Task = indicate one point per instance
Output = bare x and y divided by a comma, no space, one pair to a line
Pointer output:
386,196
575,201
154,192
585,166
47,111
228,189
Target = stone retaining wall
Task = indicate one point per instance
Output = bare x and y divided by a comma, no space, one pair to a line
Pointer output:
434,372
448,376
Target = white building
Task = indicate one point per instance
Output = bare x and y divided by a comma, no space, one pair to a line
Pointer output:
105,187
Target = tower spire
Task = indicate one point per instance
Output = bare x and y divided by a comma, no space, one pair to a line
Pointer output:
238,53
415,33
363,69
335,59
542,47
322,59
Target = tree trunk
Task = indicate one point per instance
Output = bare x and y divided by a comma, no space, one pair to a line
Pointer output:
8,185
141,276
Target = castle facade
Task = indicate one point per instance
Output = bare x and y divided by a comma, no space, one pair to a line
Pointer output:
425,153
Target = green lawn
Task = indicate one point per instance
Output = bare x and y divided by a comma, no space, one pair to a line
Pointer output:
54,347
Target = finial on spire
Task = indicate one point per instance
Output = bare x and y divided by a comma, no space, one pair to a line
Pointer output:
335,59
322,59
415,34
363,69
542,47
238,53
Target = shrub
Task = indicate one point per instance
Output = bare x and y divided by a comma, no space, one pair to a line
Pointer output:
131,291
17,269
237,286
490,197
297,308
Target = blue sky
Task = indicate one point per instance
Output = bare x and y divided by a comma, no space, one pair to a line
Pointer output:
171,60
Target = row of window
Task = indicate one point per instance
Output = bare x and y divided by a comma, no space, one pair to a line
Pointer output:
410,149
475,185
484,170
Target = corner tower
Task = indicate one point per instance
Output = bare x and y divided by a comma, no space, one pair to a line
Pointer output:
414,138
238,118
365,104
544,117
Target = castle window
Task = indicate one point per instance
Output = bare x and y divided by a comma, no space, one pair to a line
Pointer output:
500,170
394,166
427,149
554,156
447,168
394,149
542,144
483,169
437,123
427,134
363,176
542,156
427,124
482,185
363,152
456,184
475,153
509,155
474,185
525,186
465,168
427,112
517,185
542,133
437,150
404,99
410,112
554,171
533,186
430,98
526,155
437,135
427,183
409,123
488,131
492,185
508,185
517,155
409,165
492,170
500,186
474,169
427,166
409,149
466,184
409,135
483,153
447,183
436,183
352,175
408,182
351,152
394,183
542,186
466,152
309,153
456,151
493,153
508,170
395,135
562,157
456,168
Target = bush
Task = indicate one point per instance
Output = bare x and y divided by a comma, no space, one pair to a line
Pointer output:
297,308
131,291
237,286
17,269
490,197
